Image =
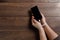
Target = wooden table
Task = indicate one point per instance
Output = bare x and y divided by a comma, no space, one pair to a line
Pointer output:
14,18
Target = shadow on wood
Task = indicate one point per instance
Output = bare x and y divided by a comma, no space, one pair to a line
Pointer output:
32,28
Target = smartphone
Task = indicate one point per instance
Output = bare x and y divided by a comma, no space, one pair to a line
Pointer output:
35,11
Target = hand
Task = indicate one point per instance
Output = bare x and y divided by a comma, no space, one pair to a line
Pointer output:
43,20
35,23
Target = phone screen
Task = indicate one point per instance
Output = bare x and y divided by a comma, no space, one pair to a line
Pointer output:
36,13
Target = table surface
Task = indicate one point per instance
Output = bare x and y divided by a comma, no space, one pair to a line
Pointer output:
14,18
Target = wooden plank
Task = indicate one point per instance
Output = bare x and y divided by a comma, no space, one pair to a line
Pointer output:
54,1
16,9
19,9
17,35
21,23
13,23
31,4
54,23
52,12
46,11
23,1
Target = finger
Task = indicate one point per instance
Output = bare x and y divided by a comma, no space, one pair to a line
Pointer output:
32,22
35,21
32,16
32,19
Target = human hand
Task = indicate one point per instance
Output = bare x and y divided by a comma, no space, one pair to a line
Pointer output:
43,20
35,23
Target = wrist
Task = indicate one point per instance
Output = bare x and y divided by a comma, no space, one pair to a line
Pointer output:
45,24
40,27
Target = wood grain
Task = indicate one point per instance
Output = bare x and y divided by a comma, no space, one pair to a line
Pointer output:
16,35
30,4
16,9
14,18
54,1
21,23
28,1
13,23
23,1
12,32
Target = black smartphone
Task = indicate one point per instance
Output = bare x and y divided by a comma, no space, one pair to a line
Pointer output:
36,13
